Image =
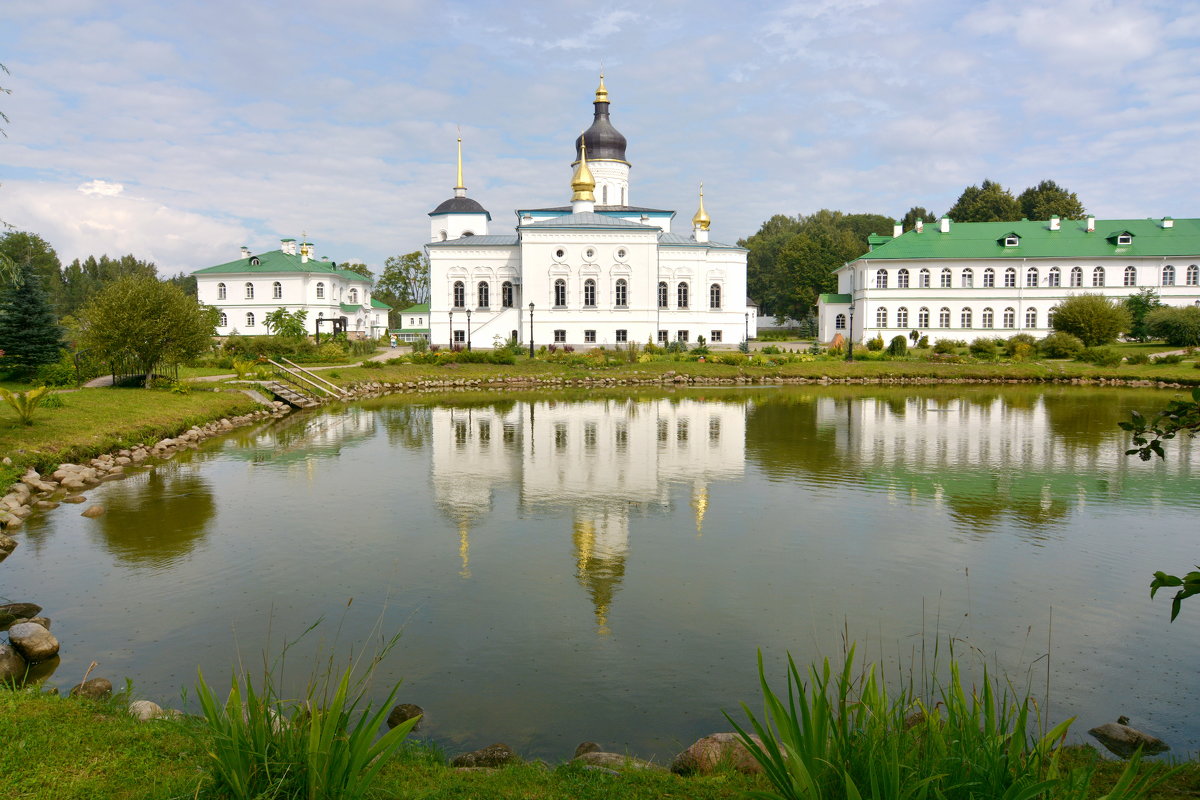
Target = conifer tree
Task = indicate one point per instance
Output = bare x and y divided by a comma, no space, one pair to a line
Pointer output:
29,333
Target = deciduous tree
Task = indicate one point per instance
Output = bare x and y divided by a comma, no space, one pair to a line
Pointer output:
988,202
83,279
1139,306
21,247
1094,318
361,269
152,323
404,282
1047,199
1179,327
288,324
909,221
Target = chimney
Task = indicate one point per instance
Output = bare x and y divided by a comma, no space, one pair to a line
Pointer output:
1055,223
920,225
288,246
245,251
897,230
1167,222
944,224
1091,224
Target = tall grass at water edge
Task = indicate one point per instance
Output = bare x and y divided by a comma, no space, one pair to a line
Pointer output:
841,736
325,744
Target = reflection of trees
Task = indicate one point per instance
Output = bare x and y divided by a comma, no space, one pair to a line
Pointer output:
783,437
407,426
156,521
1081,417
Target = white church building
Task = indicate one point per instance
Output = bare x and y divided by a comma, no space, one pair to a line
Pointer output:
597,272
964,280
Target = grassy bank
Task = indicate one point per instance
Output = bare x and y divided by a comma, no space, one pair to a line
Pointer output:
86,423
63,749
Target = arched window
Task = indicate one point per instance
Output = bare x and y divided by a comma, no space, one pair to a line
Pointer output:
506,295
560,293
353,295
249,291
604,195
902,279
881,279
966,318
589,293
484,290
989,278
1168,275
881,317
923,279
1193,275
224,320
988,318
622,293
1031,318
460,294
1010,318
1055,277
1010,278
923,318
320,291
1131,276
277,290
714,296
944,318
220,291
249,319
1031,276
839,322
946,278
968,278
662,294
442,235
1076,277
902,317
1098,276
681,292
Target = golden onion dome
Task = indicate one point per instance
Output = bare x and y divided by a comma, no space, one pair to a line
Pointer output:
701,220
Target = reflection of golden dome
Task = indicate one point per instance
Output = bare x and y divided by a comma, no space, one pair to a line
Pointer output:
464,547
701,220
700,503
600,575
582,181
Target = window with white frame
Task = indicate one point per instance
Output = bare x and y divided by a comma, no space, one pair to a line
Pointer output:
1168,275
589,293
714,296
249,291
662,294
714,336
589,337
989,278
1010,278
839,323
249,319
1031,318
923,279
1131,276
1031,277
946,278
681,295
968,278
988,318
353,296
1076,277
681,336
1124,238
460,294
1010,318
484,292
220,291
902,279
460,337
1193,275
902,317
965,318
1055,277
622,335
944,318
923,318
621,294
881,279
224,321
663,336
506,294
560,293
881,317
277,290
320,290
1098,276
560,335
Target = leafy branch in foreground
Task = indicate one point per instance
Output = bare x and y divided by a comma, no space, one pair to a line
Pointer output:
1190,585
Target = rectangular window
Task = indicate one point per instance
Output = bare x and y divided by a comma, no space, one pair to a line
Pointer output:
622,335
681,336
560,335
989,279
714,336
460,337
662,336
1010,278
589,337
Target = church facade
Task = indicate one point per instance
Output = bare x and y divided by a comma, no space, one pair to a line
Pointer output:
597,272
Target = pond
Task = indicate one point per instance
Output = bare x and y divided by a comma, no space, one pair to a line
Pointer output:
604,566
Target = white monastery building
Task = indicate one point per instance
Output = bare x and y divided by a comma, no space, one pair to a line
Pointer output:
247,289
963,280
599,271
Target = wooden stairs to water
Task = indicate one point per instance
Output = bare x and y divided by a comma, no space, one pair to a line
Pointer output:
300,387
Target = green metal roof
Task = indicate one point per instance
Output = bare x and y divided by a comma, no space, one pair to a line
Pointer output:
277,261
419,308
835,298
377,303
410,330
347,308
986,240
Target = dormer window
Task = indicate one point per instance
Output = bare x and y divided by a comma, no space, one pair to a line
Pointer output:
1124,238
1011,241
254,262
1120,238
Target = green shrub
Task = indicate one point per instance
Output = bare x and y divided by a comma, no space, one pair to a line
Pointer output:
1060,344
876,344
946,346
923,342
984,347
1094,318
1013,342
1023,351
420,344
331,351
1137,358
1172,358
770,350
898,346
371,365
361,347
57,373
1100,356
1179,327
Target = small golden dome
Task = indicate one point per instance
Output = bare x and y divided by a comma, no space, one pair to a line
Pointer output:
601,92
582,182
701,220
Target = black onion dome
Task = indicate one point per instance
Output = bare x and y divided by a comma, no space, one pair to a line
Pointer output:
603,140
460,205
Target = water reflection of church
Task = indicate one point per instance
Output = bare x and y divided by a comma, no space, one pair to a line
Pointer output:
604,459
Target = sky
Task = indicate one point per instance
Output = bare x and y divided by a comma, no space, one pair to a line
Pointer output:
180,131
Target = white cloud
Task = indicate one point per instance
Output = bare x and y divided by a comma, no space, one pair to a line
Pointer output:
101,187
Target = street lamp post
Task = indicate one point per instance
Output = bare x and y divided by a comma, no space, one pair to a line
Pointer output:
850,339
531,329
468,329
747,328
451,331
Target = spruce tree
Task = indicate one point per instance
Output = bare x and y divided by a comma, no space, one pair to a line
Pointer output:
29,333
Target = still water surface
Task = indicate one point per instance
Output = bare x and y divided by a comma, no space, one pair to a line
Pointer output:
604,567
